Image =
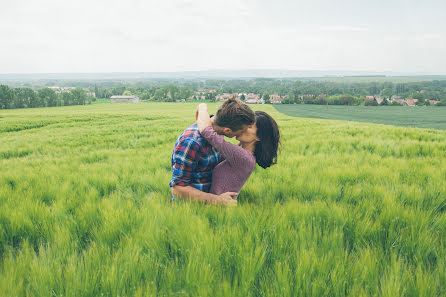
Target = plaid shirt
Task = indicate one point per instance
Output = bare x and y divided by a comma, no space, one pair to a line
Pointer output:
193,160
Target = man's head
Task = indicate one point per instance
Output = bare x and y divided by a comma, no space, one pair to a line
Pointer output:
233,118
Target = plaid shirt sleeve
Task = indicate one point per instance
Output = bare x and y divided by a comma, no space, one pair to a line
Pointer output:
184,162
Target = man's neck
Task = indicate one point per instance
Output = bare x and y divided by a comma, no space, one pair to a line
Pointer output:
216,128
213,122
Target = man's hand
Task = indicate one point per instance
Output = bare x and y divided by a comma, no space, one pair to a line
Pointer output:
188,192
228,199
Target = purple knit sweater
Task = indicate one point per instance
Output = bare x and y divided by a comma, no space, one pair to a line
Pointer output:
231,174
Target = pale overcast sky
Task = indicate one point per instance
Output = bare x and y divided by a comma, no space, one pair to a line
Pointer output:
179,35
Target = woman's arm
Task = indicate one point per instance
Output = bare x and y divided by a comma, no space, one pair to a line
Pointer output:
234,154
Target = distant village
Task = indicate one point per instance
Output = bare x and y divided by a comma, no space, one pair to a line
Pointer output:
398,99
251,91
61,90
250,98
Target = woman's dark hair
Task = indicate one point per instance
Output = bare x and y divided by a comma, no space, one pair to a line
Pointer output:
269,138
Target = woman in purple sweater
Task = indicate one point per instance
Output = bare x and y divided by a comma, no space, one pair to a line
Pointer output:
258,144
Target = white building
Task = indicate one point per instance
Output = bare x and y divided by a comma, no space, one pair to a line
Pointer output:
124,99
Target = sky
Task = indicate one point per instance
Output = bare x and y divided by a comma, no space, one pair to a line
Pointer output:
59,36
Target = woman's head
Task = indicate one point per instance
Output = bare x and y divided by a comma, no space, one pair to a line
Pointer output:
265,133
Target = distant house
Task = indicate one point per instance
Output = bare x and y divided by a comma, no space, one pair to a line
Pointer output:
225,96
60,90
252,101
411,102
369,97
252,98
433,102
400,101
379,100
306,96
124,99
275,99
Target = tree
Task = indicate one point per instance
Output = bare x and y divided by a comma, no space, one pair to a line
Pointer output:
48,97
25,97
145,95
287,100
419,96
441,103
6,97
67,99
387,92
118,90
127,93
373,89
79,96
371,102
384,102
159,94
266,98
242,97
185,93
96,91
400,88
420,102
211,97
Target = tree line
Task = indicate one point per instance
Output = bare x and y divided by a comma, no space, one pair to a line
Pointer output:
308,91
45,97
171,90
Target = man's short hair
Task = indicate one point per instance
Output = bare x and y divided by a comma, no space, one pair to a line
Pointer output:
233,114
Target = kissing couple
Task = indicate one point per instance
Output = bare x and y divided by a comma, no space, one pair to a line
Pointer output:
205,167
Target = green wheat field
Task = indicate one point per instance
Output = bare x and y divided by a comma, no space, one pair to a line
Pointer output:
351,209
408,116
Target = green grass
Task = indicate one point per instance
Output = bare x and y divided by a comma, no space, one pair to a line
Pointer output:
351,209
411,116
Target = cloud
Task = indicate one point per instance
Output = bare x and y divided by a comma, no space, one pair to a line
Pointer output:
343,28
138,35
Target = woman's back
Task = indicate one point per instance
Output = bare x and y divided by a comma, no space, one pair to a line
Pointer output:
231,174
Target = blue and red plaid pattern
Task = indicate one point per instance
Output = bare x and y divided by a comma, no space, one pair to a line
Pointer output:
193,160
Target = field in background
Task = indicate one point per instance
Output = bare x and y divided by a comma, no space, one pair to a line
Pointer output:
352,209
412,116
378,79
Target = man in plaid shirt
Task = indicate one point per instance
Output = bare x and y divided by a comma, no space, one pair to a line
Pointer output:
193,158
